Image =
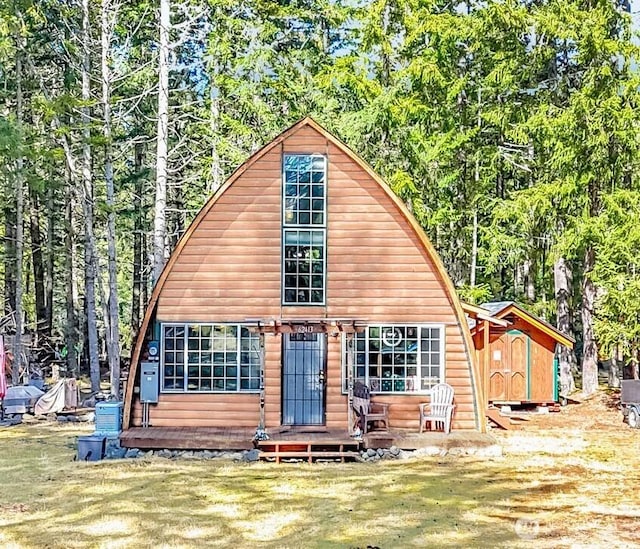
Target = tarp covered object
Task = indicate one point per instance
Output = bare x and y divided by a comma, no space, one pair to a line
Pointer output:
20,398
64,394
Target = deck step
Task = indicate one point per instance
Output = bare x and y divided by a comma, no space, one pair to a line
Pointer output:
329,449
501,421
310,456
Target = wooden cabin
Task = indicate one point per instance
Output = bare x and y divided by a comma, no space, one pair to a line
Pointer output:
301,275
516,353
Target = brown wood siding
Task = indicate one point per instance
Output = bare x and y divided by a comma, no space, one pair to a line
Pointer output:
273,380
202,410
377,272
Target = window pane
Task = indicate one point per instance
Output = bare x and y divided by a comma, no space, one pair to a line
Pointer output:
290,296
319,163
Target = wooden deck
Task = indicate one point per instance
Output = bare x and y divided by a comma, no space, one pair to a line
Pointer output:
223,438
300,440
188,438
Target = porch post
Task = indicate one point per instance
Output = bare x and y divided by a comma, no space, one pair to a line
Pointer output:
350,365
262,390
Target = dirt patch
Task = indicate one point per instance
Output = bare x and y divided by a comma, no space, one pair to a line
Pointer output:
581,474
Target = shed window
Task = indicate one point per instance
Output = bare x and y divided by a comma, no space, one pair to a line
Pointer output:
209,358
398,359
304,229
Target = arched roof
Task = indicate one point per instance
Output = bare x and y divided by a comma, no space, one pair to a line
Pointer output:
402,210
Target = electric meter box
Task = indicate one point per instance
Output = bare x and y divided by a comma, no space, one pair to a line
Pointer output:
149,382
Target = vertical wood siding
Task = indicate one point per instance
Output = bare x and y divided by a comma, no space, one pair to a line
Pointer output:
377,272
540,375
541,353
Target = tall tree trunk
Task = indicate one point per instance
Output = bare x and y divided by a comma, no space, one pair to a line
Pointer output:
528,271
590,347
474,248
159,225
138,228
616,365
49,261
566,358
113,334
37,260
9,249
71,328
19,183
90,252
144,274
216,169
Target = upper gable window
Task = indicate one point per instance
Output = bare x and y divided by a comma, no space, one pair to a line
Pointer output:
304,218
305,178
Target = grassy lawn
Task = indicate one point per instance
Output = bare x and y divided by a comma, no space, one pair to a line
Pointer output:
554,487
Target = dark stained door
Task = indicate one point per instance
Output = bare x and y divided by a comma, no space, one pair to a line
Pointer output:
304,366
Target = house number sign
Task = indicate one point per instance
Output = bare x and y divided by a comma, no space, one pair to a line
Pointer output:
305,329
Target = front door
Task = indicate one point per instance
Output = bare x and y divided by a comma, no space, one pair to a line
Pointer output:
303,375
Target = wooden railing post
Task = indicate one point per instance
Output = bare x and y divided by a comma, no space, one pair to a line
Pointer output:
350,376
262,389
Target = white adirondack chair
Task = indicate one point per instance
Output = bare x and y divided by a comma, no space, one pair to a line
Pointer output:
439,410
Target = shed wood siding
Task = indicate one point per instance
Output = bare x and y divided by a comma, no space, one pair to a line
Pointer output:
539,379
541,354
378,271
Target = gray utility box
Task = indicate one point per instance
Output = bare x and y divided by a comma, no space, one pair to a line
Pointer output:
149,382
630,400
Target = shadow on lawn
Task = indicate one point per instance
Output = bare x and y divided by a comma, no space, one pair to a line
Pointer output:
430,502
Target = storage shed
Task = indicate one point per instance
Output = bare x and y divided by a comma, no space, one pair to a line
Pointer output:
302,274
517,360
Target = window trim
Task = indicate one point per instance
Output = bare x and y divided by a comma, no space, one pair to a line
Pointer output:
283,191
311,227
324,269
442,377
185,389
